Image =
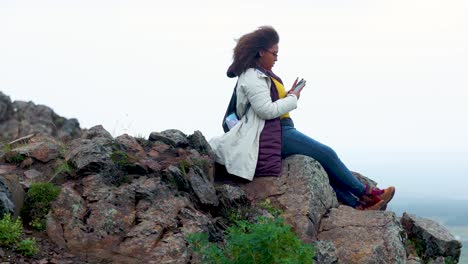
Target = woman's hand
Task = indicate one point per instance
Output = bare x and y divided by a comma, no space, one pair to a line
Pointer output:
296,92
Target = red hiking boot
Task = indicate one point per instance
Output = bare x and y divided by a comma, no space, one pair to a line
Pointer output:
377,198
371,205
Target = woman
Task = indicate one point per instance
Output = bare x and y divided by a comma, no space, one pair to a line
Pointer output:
266,133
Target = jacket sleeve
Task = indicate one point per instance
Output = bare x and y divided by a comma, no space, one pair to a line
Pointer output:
258,94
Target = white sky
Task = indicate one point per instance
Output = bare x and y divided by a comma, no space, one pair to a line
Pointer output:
386,80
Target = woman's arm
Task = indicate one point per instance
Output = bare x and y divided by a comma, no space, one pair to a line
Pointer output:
256,88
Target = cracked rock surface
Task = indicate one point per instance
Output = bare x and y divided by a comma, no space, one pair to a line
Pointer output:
302,191
364,236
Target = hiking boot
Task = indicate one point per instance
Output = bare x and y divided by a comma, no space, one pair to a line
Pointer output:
372,206
374,195
386,194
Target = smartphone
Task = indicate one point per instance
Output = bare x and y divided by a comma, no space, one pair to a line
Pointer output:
299,85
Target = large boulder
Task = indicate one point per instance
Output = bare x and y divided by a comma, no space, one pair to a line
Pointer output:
194,181
92,152
364,236
302,191
11,193
173,137
434,240
41,148
141,222
230,196
131,146
97,131
199,143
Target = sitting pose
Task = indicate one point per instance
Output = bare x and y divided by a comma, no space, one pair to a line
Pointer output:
265,134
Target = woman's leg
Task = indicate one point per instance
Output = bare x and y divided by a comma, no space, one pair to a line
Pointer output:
343,181
345,196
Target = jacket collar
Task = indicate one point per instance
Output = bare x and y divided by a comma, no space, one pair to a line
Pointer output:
261,73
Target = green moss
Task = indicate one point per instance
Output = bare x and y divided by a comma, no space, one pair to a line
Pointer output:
59,122
123,160
449,260
120,158
124,164
38,203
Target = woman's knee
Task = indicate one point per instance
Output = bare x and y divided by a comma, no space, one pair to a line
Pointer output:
328,152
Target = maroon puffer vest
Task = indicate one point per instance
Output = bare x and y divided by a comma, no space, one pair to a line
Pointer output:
269,154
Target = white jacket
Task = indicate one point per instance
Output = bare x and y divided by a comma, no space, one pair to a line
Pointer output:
238,148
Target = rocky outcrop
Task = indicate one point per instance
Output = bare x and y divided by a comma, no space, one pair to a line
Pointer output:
132,200
134,218
19,119
430,238
124,224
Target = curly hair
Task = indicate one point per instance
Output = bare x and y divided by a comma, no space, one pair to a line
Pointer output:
247,50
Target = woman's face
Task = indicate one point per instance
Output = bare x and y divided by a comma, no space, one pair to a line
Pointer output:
268,57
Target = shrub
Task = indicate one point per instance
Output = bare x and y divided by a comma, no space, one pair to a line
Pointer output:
62,167
28,247
10,231
122,159
184,166
37,203
270,208
12,156
201,163
235,214
15,158
265,241
416,245
10,236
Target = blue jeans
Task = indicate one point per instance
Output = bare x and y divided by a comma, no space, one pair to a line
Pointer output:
346,186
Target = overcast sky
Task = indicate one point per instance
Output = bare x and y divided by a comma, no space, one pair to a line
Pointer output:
386,80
